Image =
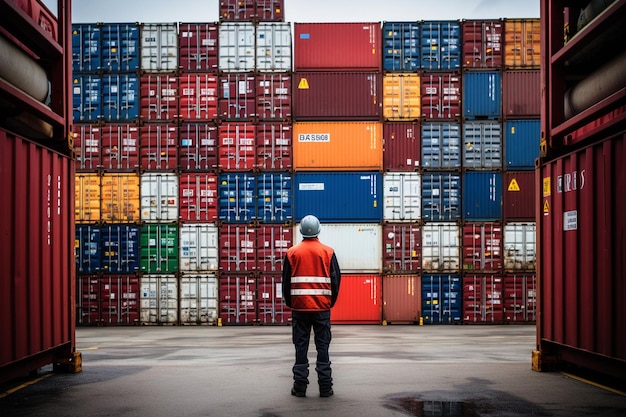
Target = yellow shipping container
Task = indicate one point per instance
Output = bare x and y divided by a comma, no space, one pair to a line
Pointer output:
120,198
337,146
401,96
87,201
522,43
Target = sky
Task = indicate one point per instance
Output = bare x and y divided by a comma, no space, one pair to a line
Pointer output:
164,11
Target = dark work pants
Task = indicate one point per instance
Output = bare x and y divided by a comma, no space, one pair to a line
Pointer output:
302,322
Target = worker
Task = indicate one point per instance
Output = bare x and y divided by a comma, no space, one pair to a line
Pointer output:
311,279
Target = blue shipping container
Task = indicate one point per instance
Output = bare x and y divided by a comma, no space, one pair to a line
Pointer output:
401,46
441,299
120,248
482,144
441,196
339,196
482,195
521,141
88,249
86,98
441,145
120,47
237,197
441,45
482,94
274,201
120,97
86,47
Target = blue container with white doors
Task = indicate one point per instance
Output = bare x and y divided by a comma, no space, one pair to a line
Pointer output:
86,47
440,45
120,97
482,95
237,197
441,145
86,97
120,248
441,299
274,197
521,143
441,196
482,195
87,247
401,46
120,47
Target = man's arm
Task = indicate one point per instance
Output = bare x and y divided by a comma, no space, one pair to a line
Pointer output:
286,282
335,278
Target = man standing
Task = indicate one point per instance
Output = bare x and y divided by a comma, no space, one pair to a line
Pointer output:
310,284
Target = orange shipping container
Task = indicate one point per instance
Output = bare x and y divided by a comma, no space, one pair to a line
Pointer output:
120,198
337,146
87,207
401,96
522,43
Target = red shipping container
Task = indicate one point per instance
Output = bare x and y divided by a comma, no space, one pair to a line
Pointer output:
519,195
237,96
159,97
197,46
482,247
87,146
482,299
119,299
238,248
520,298
440,96
402,247
237,299
198,96
482,44
273,241
521,94
159,146
272,309
359,301
342,95
337,46
120,146
40,15
198,146
273,96
198,197
402,146
87,299
260,10
237,146
274,146
402,299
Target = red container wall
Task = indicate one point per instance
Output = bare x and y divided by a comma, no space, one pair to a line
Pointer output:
482,43
40,15
198,197
37,291
519,195
337,46
236,146
273,241
237,96
159,146
521,94
198,96
87,146
197,46
337,95
273,146
273,96
120,146
238,248
482,247
87,300
402,299
159,97
272,309
401,146
262,10
402,246
237,299
119,297
482,299
440,96
359,301
520,298
198,146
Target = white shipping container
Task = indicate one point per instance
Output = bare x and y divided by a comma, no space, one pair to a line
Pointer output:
520,246
441,249
198,247
159,299
402,194
273,47
159,47
159,197
198,299
236,47
358,246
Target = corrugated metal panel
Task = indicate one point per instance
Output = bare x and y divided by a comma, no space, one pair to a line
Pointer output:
87,205
482,247
237,96
273,241
441,145
401,96
273,47
238,245
120,198
441,95
120,47
274,197
119,248
272,309
86,47
482,195
402,146
482,43
87,299
236,146
441,45
482,95
402,299
159,146
337,46
198,146
120,146
402,247
159,299
402,194
234,10
87,146
441,299
521,93
483,299
86,97
198,299
237,197
236,47
522,43
520,298
198,247
521,143
359,301
355,196
401,46
197,43
159,97
520,246
274,146
159,248
87,248
441,247
482,144
108,300
120,97
159,47
337,146
342,95
159,197
441,196
357,245
198,96
519,195
198,197
273,96
237,299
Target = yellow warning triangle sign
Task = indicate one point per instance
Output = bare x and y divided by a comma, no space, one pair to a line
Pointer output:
546,207
303,85
513,185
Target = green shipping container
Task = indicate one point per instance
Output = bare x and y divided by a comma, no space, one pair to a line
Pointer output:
159,248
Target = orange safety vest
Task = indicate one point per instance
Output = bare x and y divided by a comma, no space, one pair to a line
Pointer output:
311,288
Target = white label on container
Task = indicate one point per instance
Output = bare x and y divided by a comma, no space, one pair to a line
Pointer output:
570,220
314,137
314,186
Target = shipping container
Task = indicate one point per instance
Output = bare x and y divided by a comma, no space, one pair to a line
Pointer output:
521,143
119,299
402,247
198,247
198,299
274,149
159,97
273,241
197,47
334,46
236,146
440,45
198,96
237,193
120,146
519,195
197,150
441,299
441,247
402,299
402,192
159,300
360,300
482,144
401,96
482,95
236,47
119,248
482,247
482,195
159,197
272,309
120,198
441,145
441,95
337,146
441,196
88,197
482,44
273,96
86,47
483,299
86,97
159,146
238,248
120,47
87,300
521,94
402,149
159,248
237,299
120,97
87,248
198,197
520,246
87,146
273,47
40,16
522,43
344,95
339,196
237,96
274,197
159,47
520,298
261,10
401,46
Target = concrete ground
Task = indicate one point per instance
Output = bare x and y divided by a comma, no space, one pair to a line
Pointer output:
396,370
